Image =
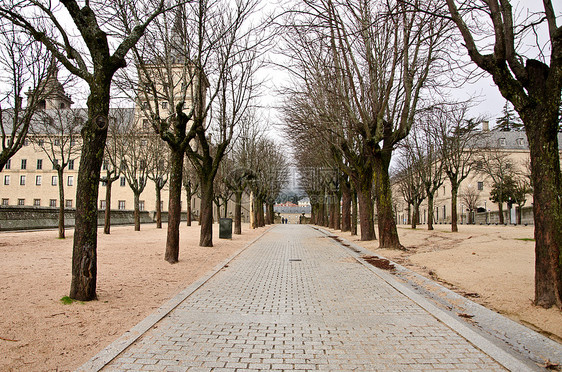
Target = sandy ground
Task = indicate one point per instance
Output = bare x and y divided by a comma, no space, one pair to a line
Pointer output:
495,262
39,333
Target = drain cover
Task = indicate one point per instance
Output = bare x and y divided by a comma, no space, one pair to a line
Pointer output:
295,259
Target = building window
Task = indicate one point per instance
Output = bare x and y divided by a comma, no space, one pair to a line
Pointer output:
104,166
6,180
141,205
145,124
121,204
71,164
39,164
21,201
5,201
22,180
23,163
57,142
70,181
161,205
480,186
53,203
38,180
54,180
502,142
102,204
122,181
36,202
26,142
164,105
145,105
41,143
68,203
8,164
520,141
143,143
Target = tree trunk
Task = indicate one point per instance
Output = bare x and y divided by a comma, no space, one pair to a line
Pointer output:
454,199
337,212
321,212
313,208
84,252
188,210
332,209
253,211
238,213
547,206
353,212
346,207
519,212
206,215
388,233
158,206
217,204
107,222
366,214
500,213
174,207
430,211
416,215
267,214
61,204
261,217
137,211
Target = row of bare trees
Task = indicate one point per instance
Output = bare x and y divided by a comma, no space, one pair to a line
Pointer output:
215,46
363,69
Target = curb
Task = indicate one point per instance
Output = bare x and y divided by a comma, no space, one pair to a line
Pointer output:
105,356
501,356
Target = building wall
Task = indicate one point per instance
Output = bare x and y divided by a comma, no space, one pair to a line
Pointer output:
442,202
32,194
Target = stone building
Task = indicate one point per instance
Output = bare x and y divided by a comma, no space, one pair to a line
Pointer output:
515,146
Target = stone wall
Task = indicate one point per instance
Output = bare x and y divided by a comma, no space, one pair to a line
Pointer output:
32,218
493,217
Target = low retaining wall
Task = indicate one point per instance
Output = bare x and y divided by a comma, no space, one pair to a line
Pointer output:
493,217
33,218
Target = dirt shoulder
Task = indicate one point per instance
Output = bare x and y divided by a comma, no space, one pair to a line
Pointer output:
39,333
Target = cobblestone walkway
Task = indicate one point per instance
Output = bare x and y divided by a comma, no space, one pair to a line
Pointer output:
296,300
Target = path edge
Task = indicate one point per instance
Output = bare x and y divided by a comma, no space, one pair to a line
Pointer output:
501,356
110,352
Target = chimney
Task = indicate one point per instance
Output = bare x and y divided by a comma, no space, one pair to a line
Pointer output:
485,126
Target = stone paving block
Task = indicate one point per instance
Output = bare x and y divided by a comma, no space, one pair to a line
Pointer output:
324,312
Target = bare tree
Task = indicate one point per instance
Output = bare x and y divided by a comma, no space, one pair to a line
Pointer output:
94,58
112,158
459,148
470,196
158,171
191,185
533,84
24,64
498,167
425,144
200,64
135,158
57,133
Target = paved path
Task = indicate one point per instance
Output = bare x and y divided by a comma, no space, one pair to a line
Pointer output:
297,300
